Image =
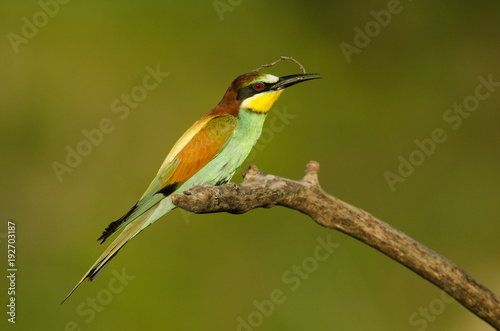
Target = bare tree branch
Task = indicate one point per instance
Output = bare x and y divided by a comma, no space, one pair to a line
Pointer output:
263,190
301,67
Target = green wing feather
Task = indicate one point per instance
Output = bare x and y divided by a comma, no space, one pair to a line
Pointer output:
191,153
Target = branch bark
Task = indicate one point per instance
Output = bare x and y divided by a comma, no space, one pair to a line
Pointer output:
264,190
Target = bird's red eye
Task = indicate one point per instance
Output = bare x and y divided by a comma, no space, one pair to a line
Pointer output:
258,86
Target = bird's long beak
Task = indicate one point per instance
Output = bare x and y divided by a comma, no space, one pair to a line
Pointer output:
287,81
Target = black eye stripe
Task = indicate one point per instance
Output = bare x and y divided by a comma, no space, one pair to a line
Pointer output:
249,90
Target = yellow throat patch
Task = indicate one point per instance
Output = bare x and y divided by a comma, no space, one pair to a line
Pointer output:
262,102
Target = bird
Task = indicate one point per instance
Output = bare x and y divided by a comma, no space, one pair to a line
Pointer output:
209,152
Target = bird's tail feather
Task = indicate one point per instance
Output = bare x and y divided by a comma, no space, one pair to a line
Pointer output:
128,233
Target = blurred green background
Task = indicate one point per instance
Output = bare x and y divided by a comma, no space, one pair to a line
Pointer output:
205,272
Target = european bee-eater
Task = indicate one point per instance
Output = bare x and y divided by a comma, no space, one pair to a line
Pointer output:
210,151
